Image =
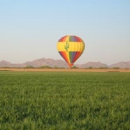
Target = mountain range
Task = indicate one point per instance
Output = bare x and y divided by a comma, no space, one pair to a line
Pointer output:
61,63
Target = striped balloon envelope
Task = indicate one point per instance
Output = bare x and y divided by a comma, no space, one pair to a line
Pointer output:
70,48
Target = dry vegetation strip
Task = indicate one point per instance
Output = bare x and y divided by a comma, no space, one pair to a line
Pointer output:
65,70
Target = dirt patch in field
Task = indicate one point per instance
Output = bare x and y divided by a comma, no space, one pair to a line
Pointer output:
65,70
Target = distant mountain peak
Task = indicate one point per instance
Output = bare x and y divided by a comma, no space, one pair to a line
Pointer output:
4,61
121,64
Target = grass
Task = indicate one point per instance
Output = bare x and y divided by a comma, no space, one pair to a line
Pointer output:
64,101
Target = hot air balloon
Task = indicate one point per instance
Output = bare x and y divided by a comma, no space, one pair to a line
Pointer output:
70,48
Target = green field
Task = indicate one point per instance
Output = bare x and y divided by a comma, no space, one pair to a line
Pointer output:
64,101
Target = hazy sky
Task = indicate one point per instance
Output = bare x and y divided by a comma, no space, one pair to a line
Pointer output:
30,29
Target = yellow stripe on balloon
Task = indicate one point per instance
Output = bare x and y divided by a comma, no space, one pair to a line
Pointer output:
73,46
67,53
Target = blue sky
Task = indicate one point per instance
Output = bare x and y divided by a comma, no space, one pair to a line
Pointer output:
30,29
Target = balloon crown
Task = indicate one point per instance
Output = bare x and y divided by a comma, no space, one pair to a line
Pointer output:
70,39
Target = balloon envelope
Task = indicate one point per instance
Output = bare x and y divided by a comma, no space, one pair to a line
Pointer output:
70,48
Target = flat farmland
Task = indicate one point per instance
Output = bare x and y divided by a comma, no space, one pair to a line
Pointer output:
64,100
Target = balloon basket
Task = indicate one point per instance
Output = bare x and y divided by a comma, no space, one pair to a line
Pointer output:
70,65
